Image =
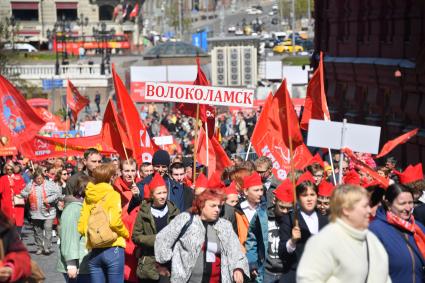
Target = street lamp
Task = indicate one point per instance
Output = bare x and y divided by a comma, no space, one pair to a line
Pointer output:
52,35
12,22
82,22
102,36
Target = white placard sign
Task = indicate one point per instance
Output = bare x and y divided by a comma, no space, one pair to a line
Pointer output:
359,138
199,94
163,140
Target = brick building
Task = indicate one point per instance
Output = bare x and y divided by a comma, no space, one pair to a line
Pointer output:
375,66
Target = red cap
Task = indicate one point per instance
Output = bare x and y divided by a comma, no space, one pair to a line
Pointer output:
411,174
325,189
201,181
252,180
157,181
285,192
316,159
307,176
352,177
231,189
215,181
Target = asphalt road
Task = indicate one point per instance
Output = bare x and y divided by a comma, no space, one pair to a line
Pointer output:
47,263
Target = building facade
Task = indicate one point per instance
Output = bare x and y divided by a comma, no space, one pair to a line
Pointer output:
375,66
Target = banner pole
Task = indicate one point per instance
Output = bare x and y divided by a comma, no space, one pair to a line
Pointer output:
195,148
67,130
332,165
126,157
341,155
206,139
291,156
248,150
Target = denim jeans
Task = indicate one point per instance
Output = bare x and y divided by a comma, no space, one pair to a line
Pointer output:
271,277
43,241
81,278
107,265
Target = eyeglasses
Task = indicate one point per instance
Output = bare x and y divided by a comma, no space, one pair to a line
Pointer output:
65,174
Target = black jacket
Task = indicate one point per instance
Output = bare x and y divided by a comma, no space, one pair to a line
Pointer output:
290,260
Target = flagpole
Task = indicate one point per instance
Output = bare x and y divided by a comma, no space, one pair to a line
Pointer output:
126,157
206,130
291,156
195,148
66,132
247,152
341,156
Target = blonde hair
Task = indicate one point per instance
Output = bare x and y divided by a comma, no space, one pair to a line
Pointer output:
345,197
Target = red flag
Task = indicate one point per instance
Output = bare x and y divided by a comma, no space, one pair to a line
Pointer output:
53,122
390,145
18,121
135,11
270,136
113,132
384,182
316,106
218,159
140,141
40,148
75,100
206,112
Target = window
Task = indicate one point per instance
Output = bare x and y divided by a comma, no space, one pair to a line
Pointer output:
66,11
106,13
25,11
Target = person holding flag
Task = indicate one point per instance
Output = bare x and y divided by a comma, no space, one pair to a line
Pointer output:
295,230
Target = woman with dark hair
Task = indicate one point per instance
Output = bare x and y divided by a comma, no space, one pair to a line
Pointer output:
402,237
201,246
106,263
16,262
155,213
294,232
42,195
73,259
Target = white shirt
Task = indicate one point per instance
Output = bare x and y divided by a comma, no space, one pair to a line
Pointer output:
248,210
312,222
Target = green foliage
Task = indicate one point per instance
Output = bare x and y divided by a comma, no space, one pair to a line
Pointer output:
296,60
172,13
285,6
61,113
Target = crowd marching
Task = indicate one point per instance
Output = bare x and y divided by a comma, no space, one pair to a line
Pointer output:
119,221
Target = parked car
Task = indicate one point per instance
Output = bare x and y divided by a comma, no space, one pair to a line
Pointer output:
253,11
231,29
24,47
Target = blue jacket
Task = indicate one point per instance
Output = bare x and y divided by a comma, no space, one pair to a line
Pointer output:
399,254
257,242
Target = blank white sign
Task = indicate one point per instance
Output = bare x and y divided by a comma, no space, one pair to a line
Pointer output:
359,138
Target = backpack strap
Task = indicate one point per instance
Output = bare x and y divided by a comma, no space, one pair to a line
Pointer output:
183,230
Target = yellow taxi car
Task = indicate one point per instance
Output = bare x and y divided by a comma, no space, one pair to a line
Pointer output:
287,47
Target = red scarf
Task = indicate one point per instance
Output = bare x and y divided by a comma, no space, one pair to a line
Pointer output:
33,197
411,227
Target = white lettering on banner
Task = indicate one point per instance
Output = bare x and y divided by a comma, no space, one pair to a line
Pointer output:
199,94
42,152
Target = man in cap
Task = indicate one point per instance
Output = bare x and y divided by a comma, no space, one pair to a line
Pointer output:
324,193
160,163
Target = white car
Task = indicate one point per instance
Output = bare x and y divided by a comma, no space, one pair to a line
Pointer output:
239,32
231,29
253,11
24,47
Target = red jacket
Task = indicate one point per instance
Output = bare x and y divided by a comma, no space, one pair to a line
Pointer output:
15,254
6,197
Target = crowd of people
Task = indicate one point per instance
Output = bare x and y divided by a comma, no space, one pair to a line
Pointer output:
119,221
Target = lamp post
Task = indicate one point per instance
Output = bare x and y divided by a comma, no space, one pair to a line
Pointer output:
12,22
52,35
82,22
102,36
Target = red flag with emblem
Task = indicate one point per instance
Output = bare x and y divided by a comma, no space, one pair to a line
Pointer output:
75,100
135,11
206,112
270,138
315,106
18,121
390,145
141,144
113,132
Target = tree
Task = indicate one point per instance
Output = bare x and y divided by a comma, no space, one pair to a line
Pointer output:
285,7
172,13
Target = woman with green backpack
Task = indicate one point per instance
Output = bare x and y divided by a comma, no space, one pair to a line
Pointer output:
101,223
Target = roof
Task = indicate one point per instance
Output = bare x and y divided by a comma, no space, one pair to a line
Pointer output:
174,49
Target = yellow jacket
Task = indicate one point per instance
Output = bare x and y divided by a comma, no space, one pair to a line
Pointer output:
111,205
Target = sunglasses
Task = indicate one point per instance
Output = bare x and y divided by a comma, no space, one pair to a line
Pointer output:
65,174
